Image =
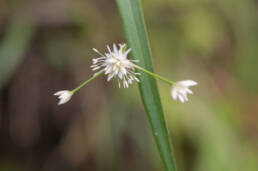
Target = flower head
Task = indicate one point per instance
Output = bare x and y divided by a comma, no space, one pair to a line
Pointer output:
64,96
181,88
115,64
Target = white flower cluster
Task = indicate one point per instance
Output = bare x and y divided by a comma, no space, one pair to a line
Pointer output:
181,88
116,64
64,96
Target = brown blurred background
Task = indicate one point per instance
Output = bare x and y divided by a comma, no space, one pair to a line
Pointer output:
45,46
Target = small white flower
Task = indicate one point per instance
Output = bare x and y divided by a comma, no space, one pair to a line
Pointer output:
64,96
181,88
116,64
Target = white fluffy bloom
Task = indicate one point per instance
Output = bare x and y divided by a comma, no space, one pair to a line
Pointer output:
181,88
115,64
64,96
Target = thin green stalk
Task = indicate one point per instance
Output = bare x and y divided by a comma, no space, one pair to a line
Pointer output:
154,75
87,81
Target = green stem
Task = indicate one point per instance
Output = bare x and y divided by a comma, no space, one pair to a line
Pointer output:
87,81
154,75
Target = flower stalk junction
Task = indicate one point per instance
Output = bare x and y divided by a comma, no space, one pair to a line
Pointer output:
115,64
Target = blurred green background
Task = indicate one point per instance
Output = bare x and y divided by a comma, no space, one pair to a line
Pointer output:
45,46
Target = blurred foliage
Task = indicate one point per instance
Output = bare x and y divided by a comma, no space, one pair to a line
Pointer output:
46,46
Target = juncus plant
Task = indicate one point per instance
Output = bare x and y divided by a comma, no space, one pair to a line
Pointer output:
115,64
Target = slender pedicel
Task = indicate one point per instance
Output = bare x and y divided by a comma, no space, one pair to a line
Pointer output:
87,81
65,95
179,89
154,75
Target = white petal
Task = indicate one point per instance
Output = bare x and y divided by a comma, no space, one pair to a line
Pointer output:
126,52
121,45
96,68
109,50
111,61
189,91
108,69
123,70
60,92
94,61
119,85
97,52
188,83
116,71
136,79
125,84
115,48
173,93
182,91
185,97
110,76
120,75
121,49
64,100
181,98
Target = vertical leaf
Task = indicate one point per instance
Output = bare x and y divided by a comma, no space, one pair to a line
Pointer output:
133,21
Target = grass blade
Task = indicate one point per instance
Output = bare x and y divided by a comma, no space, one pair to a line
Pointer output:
133,21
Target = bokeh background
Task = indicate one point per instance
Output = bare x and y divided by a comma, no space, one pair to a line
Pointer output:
45,46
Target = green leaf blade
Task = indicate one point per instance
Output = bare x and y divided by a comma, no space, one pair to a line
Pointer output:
135,30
